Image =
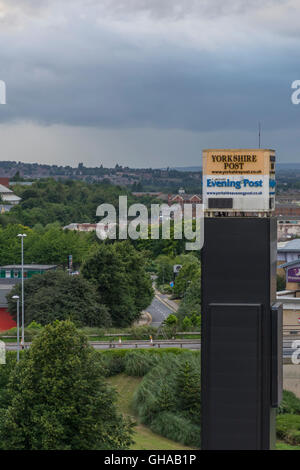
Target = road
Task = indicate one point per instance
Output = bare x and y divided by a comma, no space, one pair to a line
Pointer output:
160,308
145,344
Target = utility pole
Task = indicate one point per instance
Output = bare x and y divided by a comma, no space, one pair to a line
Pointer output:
22,235
17,298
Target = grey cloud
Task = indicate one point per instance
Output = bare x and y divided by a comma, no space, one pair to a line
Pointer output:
73,67
120,84
183,8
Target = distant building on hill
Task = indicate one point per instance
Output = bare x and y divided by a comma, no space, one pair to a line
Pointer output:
4,182
85,227
182,198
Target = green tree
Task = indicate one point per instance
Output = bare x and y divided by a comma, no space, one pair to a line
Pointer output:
280,282
55,295
124,286
189,272
186,324
165,399
48,201
188,391
164,270
190,306
48,245
59,399
170,324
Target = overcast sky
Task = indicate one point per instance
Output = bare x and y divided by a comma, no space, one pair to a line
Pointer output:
147,82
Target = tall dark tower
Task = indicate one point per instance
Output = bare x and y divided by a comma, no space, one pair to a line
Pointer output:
241,323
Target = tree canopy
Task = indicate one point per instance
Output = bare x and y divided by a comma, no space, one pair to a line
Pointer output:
59,399
48,245
124,286
48,201
55,295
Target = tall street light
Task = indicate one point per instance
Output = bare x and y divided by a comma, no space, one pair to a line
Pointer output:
17,298
22,235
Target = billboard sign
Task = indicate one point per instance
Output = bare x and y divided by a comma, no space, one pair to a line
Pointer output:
293,274
177,268
239,179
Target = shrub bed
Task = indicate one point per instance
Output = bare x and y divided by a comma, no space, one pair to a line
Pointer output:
168,398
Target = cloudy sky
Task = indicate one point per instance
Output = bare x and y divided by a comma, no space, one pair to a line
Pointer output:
147,82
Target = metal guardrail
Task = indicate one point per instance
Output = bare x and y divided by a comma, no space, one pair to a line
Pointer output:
141,343
134,344
118,335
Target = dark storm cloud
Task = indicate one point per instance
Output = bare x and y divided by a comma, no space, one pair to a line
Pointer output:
130,64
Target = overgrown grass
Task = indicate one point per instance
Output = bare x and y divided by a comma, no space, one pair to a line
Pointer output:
283,446
144,438
288,428
114,361
168,398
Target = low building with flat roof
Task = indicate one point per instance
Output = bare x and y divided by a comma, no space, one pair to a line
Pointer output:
13,272
10,275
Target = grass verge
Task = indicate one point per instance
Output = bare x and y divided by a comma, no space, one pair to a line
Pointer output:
144,438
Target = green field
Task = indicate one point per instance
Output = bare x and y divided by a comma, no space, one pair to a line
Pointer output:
283,446
144,438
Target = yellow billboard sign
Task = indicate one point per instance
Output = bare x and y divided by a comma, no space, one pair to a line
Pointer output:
237,161
239,180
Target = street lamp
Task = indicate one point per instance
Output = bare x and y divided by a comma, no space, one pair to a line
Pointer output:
22,235
17,298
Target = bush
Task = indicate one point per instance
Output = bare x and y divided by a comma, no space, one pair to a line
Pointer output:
166,397
35,326
165,289
139,363
88,330
177,428
5,371
288,428
290,404
112,362
280,283
187,324
140,332
59,400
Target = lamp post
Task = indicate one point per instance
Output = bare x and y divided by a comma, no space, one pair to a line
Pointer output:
17,298
22,235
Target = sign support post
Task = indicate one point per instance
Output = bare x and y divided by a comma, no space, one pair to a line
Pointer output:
241,345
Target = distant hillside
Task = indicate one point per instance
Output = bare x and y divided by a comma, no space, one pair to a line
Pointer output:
187,168
287,166
279,167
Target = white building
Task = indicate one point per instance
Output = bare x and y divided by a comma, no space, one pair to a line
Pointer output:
7,196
